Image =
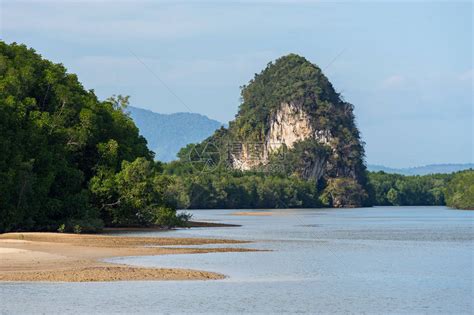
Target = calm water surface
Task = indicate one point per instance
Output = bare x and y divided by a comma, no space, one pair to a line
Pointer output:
373,260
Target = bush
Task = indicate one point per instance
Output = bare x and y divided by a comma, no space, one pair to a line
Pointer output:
167,217
62,228
133,196
183,218
91,225
77,229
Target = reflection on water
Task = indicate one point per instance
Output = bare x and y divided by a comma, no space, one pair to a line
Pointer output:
392,260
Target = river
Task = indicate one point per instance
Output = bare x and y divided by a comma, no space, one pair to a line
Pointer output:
368,260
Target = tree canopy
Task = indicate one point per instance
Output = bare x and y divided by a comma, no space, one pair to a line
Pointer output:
398,190
56,138
459,192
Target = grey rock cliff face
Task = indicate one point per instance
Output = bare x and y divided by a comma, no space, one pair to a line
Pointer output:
288,125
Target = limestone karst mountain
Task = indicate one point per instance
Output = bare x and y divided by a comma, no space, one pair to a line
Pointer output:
293,121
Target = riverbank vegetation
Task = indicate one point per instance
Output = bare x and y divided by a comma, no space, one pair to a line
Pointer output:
456,190
69,161
401,190
459,192
229,189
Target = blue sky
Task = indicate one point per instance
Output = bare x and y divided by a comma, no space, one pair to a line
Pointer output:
406,66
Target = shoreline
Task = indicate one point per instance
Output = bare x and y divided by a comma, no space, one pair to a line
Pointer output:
57,257
191,224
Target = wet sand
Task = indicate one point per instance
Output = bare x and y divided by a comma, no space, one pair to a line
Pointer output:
77,258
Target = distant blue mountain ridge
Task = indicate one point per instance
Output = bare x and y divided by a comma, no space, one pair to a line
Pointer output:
423,170
168,133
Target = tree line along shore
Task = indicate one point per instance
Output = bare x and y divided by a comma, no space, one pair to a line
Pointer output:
70,162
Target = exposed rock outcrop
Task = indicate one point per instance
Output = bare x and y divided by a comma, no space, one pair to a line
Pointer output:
288,125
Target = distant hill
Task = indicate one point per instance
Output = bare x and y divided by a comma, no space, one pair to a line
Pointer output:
167,133
422,170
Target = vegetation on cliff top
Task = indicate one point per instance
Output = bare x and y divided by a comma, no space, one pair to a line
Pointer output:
291,78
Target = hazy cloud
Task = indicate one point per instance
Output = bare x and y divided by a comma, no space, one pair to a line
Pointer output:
393,82
102,20
466,76
107,70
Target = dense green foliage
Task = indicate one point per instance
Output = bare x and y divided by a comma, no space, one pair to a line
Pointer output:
223,189
459,192
343,192
455,190
401,190
134,195
57,143
290,79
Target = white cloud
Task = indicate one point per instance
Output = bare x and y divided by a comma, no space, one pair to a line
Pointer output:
466,76
393,82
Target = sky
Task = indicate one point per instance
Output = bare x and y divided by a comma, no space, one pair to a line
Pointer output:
406,66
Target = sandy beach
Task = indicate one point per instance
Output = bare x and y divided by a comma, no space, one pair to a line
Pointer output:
77,258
